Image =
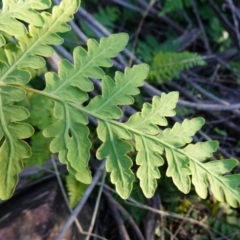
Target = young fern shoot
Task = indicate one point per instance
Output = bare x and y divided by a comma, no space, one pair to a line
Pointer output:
145,131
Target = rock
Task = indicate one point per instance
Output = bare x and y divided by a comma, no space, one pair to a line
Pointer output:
38,213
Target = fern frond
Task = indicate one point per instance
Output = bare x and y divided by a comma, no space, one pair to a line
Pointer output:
174,5
23,10
143,131
167,65
12,149
71,133
35,44
183,162
151,148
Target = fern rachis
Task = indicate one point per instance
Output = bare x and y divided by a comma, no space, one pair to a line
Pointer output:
144,131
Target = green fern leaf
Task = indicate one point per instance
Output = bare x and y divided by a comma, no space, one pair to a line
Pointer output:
35,44
118,163
178,169
150,148
167,65
118,92
17,76
73,82
154,114
213,174
76,190
23,10
2,40
13,58
181,162
149,158
71,140
181,134
69,132
12,149
67,144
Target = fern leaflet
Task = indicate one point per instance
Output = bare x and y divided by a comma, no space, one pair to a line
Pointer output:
215,174
35,44
23,10
12,149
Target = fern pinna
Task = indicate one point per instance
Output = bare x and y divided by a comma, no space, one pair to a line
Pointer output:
68,132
